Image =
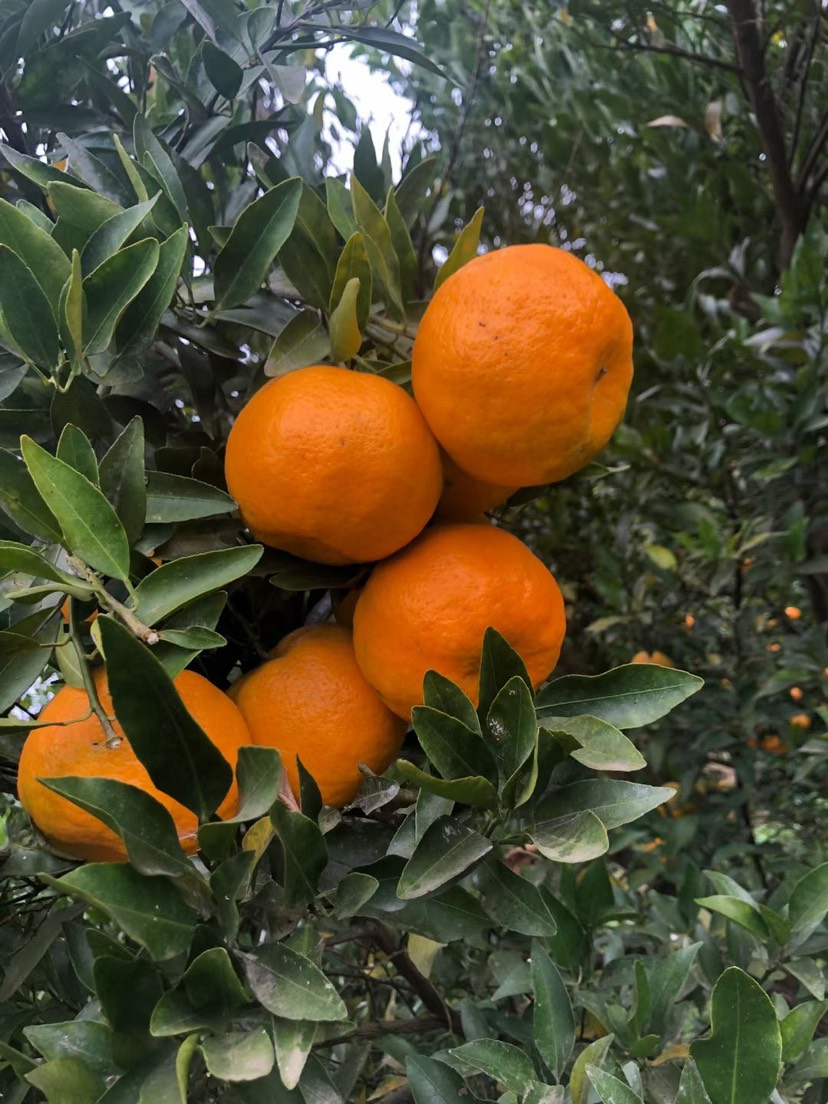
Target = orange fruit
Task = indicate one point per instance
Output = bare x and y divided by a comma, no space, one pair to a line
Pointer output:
428,607
796,693
465,497
799,720
75,745
522,364
311,700
793,613
658,658
333,465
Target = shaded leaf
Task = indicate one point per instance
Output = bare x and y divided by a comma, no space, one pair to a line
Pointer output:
447,849
181,581
26,313
112,287
289,985
553,1022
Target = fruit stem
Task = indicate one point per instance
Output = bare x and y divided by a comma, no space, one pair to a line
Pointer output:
136,626
112,739
394,327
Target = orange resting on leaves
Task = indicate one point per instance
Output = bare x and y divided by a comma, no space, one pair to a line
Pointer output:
522,364
311,700
799,720
333,465
465,497
79,748
428,607
775,745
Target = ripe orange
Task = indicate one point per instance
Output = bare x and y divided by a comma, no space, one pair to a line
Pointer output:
522,365
79,748
333,465
428,607
465,497
311,700
799,720
658,658
793,613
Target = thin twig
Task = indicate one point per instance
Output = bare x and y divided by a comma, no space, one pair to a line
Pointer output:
112,739
385,1027
622,43
425,990
800,107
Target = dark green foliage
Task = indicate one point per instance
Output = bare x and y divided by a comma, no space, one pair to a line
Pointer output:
521,909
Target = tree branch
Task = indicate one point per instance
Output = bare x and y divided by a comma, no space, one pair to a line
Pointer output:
377,1029
812,155
672,51
425,990
763,102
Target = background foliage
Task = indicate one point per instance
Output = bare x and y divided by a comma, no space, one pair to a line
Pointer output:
441,940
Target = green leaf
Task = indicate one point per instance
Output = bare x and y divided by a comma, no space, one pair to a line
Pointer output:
305,854
260,232
513,902
354,891
153,155
338,201
19,499
259,775
593,1056
181,581
443,695
353,263
474,790
575,838
511,728
463,250
172,498
146,828
87,1040
499,663
809,901
503,1062
80,207
435,1083
122,478
627,697
403,245
38,17
26,312
602,746
289,985
111,288
388,41
301,342
344,325
745,915
21,661
91,528
204,612
739,1063
31,167
239,1055
414,187
222,71
72,315
610,1089
67,1081
197,639
180,759
798,1028
613,801
667,978
453,748
379,245
139,324
23,559
308,255
84,165
111,235
75,449
553,1023
292,1041
448,849
37,249
148,910
813,1066
691,1089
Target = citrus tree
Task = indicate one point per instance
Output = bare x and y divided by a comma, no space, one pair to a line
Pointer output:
268,918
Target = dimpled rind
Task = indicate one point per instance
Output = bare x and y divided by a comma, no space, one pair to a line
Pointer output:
522,365
428,607
333,465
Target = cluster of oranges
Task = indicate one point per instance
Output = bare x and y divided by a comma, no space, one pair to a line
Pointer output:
521,368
